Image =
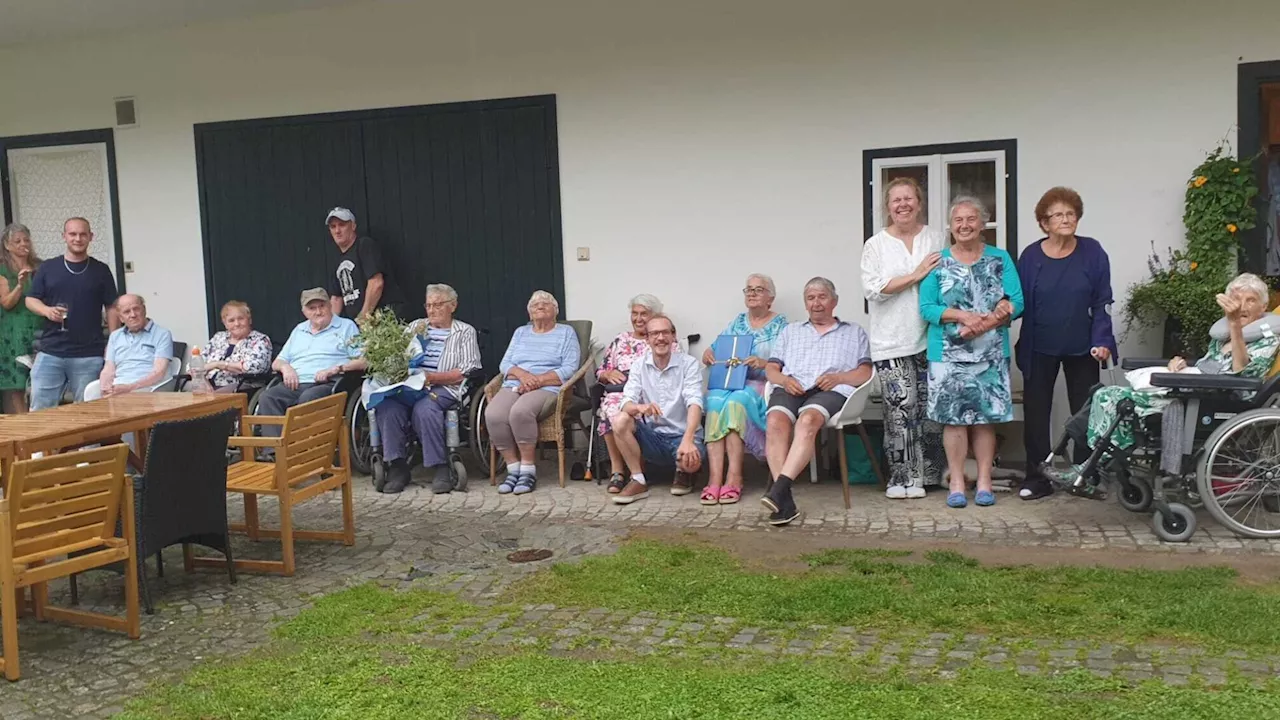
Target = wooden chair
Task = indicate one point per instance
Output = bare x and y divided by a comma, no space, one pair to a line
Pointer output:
303,468
59,518
571,401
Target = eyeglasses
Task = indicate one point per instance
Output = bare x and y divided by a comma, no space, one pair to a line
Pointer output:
437,305
661,333
1061,216
755,290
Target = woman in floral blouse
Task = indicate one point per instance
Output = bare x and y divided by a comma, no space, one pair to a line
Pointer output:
625,349
237,351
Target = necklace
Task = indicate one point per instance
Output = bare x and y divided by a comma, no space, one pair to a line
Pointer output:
73,272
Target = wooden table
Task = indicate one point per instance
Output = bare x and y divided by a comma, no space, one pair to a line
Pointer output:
105,420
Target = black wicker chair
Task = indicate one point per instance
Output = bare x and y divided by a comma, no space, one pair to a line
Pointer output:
182,494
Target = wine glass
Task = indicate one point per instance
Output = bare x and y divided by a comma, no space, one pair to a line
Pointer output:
65,307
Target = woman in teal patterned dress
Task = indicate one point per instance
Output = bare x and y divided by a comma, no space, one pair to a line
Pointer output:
18,325
968,301
735,418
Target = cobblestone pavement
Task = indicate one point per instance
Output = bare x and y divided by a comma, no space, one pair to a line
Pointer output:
459,543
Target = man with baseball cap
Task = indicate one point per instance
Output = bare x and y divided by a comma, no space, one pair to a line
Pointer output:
317,351
361,282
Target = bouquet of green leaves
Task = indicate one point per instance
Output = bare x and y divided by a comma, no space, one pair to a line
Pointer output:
385,346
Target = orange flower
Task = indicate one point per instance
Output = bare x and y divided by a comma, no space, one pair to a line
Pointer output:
1201,180
1194,265
1235,170
1231,227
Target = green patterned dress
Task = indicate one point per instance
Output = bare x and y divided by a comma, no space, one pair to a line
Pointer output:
18,328
1217,361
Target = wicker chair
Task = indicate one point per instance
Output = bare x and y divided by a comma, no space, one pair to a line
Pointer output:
571,402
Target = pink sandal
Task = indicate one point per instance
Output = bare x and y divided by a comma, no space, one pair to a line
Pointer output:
730,495
710,495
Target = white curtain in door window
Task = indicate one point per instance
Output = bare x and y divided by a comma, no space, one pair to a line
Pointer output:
51,184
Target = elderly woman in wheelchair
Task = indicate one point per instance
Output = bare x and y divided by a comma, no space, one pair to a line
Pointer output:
444,353
1119,421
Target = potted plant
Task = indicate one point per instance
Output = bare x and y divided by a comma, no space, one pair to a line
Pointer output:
1182,287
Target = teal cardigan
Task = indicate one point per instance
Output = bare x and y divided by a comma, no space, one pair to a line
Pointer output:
932,307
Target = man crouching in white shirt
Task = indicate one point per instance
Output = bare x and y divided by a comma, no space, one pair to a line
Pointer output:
660,421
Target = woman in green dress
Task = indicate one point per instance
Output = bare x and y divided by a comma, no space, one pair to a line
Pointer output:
18,325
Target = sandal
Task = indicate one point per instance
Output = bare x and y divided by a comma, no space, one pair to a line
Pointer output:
525,485
730,495
508,485
617,481
710,495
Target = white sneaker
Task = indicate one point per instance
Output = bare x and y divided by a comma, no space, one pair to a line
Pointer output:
896,492
915,493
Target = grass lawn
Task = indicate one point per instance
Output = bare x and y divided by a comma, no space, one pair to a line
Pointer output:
941,592
355,654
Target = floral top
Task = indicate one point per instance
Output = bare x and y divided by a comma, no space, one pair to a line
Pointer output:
253,352
978,288
764,337
1217,359
621,353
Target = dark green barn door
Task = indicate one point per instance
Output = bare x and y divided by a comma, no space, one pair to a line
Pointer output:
464,194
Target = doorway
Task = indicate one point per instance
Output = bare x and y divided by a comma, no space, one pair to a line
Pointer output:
45,179
1258,94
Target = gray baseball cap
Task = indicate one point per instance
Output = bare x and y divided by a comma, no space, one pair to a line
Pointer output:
342,214
314,294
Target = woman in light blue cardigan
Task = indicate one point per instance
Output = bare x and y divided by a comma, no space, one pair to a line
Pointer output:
969,300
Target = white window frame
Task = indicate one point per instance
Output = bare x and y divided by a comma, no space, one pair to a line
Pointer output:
939,186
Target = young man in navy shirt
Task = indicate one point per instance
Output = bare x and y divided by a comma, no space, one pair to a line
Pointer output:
70,292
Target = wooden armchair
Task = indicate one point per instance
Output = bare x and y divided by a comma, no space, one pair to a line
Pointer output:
571,402
303,468
58,518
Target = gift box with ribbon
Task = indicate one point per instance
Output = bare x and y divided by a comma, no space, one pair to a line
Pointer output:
730,370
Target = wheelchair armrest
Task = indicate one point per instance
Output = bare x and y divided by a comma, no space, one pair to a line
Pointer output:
1137,363
1193,381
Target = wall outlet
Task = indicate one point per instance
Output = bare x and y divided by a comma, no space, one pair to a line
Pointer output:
128,266
584,253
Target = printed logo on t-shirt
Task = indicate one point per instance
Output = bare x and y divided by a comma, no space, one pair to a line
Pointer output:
350,293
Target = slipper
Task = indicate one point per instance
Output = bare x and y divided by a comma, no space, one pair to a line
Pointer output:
956,500
730,495
508,484
710,495
1035,490
984,498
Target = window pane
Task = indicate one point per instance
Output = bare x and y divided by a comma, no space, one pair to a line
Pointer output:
977,179
989,236
919,173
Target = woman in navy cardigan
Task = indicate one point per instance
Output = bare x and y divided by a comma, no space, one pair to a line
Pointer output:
1066,324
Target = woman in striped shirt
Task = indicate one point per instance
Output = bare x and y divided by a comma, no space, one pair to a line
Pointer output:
449,351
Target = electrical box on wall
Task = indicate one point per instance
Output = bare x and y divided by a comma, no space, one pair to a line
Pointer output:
126,112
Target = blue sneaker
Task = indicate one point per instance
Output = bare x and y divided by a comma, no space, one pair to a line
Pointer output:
956,500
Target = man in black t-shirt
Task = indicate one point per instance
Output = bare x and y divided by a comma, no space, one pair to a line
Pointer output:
70,292
361,282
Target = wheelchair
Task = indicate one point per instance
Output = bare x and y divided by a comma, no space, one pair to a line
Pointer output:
1230,465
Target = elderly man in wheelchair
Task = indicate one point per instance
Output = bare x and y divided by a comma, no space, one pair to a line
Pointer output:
318,351
1213,420
444,358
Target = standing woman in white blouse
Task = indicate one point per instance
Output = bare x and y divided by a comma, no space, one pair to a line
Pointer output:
894,261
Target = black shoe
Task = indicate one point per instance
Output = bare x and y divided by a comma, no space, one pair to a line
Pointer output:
785,513
1034,488
779,494
443,482
397,477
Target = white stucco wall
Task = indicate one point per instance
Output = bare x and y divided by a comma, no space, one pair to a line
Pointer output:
698,141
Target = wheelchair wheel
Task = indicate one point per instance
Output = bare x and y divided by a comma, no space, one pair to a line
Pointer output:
1135,494
1238,478
361,441
1177,524
479,434
459,470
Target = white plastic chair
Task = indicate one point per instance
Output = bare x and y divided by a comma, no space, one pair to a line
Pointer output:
93,391
850,414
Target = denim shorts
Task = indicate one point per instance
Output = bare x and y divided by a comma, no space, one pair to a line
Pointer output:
660,448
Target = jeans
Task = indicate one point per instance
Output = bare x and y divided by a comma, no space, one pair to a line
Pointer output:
277,399
659,449
51,376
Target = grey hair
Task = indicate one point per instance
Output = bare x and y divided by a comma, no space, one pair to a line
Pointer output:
14,229
543,296
6,235
646,301
1252,283
141,300
768,282
450,295
823,283
972,202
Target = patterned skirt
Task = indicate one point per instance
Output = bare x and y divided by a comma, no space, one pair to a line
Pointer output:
970,393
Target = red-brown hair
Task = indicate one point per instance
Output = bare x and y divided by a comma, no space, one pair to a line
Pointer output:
1053,196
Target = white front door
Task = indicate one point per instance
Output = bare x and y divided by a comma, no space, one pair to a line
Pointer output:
49,184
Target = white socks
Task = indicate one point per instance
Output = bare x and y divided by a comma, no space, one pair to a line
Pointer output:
528,469
639,477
